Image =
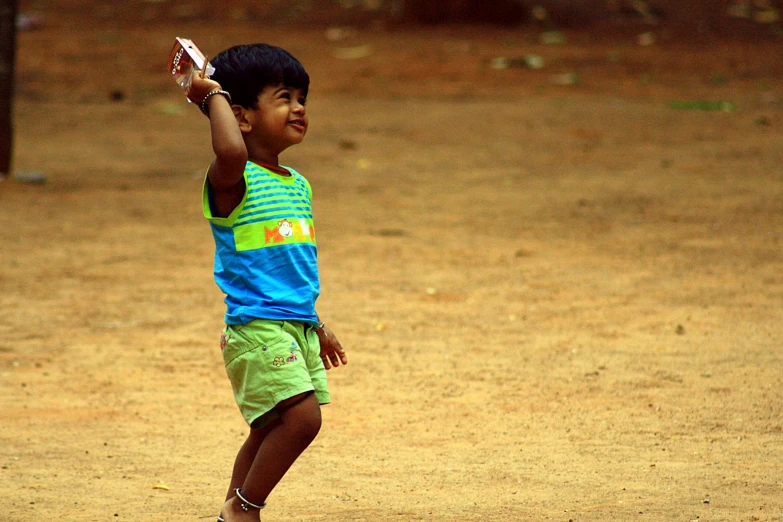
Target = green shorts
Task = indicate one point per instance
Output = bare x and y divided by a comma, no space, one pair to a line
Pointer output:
270,361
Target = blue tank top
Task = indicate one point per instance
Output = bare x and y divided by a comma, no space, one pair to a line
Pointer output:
265,251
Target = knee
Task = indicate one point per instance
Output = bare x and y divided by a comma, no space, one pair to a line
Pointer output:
302,420
306,426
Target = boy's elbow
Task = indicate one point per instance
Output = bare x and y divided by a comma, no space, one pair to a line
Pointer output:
229,147
232,156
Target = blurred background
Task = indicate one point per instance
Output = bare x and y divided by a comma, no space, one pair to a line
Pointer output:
550,238
102,50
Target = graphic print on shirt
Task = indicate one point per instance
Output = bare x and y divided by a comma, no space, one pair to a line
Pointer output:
276,211
284,228
299,231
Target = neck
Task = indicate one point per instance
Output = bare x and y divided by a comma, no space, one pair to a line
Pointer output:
265,159
277,169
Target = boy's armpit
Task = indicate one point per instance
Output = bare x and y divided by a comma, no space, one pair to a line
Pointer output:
222,202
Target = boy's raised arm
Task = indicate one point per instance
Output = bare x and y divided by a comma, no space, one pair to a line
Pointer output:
227,170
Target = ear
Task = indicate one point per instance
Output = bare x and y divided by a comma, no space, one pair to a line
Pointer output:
244,118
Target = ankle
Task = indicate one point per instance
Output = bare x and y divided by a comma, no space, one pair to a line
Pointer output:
246,504
232,512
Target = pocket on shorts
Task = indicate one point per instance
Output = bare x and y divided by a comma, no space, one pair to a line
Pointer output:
238,340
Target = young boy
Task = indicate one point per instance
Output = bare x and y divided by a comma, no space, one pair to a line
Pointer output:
274,347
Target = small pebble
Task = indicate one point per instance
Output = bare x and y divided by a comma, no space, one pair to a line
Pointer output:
30,177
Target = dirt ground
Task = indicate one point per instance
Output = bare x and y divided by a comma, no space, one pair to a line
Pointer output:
560,302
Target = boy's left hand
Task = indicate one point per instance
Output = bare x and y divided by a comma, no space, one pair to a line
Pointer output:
332,352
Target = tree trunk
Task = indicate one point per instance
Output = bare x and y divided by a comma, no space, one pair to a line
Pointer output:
7,54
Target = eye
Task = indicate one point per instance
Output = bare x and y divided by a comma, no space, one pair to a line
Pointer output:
303,101
286,95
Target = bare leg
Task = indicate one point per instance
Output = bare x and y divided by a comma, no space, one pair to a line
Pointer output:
277,450
247,453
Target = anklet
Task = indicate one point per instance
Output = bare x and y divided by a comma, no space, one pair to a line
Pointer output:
245,504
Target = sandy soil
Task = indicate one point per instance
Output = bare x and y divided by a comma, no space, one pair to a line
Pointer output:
561,302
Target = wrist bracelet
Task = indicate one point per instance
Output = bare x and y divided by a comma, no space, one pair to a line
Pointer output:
203,105
321,325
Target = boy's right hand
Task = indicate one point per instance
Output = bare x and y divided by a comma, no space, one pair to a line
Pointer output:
200,87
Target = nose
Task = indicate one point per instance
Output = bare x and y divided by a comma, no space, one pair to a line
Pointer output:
298,107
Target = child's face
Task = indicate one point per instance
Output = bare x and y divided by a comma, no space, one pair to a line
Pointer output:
281,118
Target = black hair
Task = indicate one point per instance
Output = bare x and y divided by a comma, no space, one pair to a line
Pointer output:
245,70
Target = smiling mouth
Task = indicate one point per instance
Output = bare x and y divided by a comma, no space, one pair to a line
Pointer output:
300,123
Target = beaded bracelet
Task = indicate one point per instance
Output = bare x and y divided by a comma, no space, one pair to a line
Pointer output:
203,104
